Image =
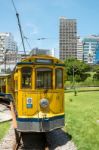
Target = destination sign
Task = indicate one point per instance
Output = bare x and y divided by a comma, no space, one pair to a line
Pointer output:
46,61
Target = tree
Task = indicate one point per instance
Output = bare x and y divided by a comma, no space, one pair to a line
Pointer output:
96,75
76,69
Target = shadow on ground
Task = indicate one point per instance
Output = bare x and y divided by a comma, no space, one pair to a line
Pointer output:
33,141
57,138
38,141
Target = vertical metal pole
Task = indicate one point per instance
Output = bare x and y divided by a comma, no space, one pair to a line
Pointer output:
5,61
75,92
73,76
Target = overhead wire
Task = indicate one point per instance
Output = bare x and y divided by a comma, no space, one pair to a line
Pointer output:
21,32
19,24
27,42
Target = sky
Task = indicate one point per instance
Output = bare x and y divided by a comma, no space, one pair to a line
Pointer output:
40,19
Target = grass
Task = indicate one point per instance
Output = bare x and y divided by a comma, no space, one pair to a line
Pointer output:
4,128
82,113
82,89
86,83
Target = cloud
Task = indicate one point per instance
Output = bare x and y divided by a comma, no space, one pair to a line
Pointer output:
32,28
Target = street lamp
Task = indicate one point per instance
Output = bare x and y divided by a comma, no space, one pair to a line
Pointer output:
42,38
75,92
73,76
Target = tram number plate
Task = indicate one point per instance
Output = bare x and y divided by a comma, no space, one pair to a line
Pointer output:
29,103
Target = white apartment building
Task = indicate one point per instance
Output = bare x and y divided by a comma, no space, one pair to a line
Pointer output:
91,49
79,49
8,51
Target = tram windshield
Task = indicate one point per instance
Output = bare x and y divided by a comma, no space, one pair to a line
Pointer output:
44,78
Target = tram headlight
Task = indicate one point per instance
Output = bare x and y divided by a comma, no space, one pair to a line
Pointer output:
44,103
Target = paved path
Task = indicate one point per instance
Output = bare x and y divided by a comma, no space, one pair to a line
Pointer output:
5,113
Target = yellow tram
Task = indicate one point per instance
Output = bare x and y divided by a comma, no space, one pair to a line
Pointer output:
5,81
38,89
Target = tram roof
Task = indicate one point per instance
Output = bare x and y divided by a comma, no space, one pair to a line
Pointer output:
41,59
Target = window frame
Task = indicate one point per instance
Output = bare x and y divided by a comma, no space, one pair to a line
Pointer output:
30,78
42,67
56,78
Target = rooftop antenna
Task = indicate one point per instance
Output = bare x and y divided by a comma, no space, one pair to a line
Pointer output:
20,28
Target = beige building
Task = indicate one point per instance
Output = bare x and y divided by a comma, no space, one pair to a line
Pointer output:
67,38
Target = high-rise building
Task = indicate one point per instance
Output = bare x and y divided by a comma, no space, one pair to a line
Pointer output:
91,49
68,38
8,51
79,49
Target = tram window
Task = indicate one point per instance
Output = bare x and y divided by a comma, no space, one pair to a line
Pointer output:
59,78
26,77
44,78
